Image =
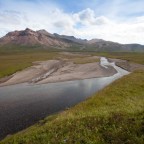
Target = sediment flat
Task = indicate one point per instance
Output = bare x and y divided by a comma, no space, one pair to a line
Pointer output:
59,70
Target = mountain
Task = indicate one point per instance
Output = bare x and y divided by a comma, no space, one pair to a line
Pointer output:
71,38
108,46
46,40
30,37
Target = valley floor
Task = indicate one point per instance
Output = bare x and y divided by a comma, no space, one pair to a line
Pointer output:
60,70
66,66
61,66
114,115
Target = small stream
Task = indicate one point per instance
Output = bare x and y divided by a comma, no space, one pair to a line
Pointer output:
25,104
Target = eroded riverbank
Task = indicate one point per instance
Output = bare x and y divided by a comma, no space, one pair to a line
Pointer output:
22,105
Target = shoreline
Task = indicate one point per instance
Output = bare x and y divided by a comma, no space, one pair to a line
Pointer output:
27,104
60,70
126,65
52,71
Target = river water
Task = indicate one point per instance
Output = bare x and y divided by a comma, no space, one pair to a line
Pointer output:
25,104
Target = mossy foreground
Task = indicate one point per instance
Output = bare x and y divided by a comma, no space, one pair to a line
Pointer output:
114,115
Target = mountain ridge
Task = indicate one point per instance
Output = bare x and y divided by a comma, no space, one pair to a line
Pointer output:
43,38
30,37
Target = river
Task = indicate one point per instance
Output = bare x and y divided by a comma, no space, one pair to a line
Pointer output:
24,104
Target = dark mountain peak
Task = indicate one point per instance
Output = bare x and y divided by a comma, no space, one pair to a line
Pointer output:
64,36
55,34
44,32
26,32
27,29
71,38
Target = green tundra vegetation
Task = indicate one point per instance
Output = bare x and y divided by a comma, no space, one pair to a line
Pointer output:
18,58
13,62
114,115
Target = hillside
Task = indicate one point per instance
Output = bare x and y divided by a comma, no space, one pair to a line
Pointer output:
108,46
111,116
44,40
29,37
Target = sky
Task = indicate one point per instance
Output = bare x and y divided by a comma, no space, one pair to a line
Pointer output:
113,20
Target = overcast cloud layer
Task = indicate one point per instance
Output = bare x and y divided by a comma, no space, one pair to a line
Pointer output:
115,20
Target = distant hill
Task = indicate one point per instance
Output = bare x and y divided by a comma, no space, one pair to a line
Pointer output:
44,39
108,46
29,37
71,38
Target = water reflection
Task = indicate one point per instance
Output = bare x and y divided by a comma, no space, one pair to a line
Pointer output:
24,104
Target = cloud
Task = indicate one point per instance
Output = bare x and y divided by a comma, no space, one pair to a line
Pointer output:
123,32
85,23
12,17
130,31
86,16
